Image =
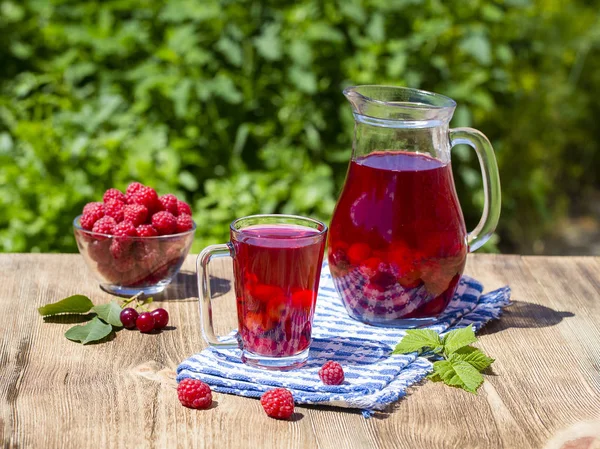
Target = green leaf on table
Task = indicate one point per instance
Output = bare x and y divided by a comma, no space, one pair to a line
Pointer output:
458,338
461,363
418,339
459,374
71,304
473,357
110,313
93,331
434,377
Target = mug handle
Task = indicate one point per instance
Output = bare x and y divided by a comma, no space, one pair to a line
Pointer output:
205,295
491,183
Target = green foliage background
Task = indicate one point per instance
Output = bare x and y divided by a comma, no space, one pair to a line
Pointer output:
237,105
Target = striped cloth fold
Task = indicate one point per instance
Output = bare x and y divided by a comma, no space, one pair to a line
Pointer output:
374,377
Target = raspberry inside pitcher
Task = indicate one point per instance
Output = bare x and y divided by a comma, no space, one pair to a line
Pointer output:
397,240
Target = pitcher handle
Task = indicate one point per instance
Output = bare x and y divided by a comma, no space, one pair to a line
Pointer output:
205,295
491,183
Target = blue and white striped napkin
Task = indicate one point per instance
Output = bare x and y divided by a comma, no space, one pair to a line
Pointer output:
374,377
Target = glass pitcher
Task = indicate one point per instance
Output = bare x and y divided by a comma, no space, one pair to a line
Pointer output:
397,241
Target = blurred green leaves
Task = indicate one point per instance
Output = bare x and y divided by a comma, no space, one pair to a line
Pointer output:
237,106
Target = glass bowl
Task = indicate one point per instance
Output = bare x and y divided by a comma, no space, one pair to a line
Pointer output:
126,266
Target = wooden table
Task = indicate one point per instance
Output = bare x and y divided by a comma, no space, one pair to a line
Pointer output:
121,393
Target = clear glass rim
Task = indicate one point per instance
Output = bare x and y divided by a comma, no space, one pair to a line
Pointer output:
237,227
78,227
431,100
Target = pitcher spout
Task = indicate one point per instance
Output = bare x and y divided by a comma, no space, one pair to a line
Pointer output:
399,107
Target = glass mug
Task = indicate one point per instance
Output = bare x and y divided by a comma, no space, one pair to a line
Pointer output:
277,265
397,239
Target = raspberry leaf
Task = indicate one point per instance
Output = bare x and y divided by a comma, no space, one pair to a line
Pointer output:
473,357
418,339
458,338
456,363
434,377
458,373
93,331
110,313
71,304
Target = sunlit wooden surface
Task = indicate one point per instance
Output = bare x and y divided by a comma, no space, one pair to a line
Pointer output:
121,393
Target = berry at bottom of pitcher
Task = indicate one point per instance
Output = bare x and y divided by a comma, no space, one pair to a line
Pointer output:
396,282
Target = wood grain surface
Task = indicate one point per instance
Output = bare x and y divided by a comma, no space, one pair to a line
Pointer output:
55,393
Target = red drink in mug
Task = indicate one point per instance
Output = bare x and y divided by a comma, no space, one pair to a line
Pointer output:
276,287
277,263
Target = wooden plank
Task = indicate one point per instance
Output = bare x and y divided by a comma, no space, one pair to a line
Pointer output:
121,393
541,382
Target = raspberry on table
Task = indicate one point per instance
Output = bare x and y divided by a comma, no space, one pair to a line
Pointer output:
125,229
332,373
92,212
278,403
184,223
183,208
146,230
135,213
168,203
105,225
146,196
164,222
113,194
194,393
114,208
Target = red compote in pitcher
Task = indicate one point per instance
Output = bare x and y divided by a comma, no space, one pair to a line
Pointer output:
397,240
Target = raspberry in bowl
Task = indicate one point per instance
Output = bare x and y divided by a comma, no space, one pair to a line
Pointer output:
135,241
